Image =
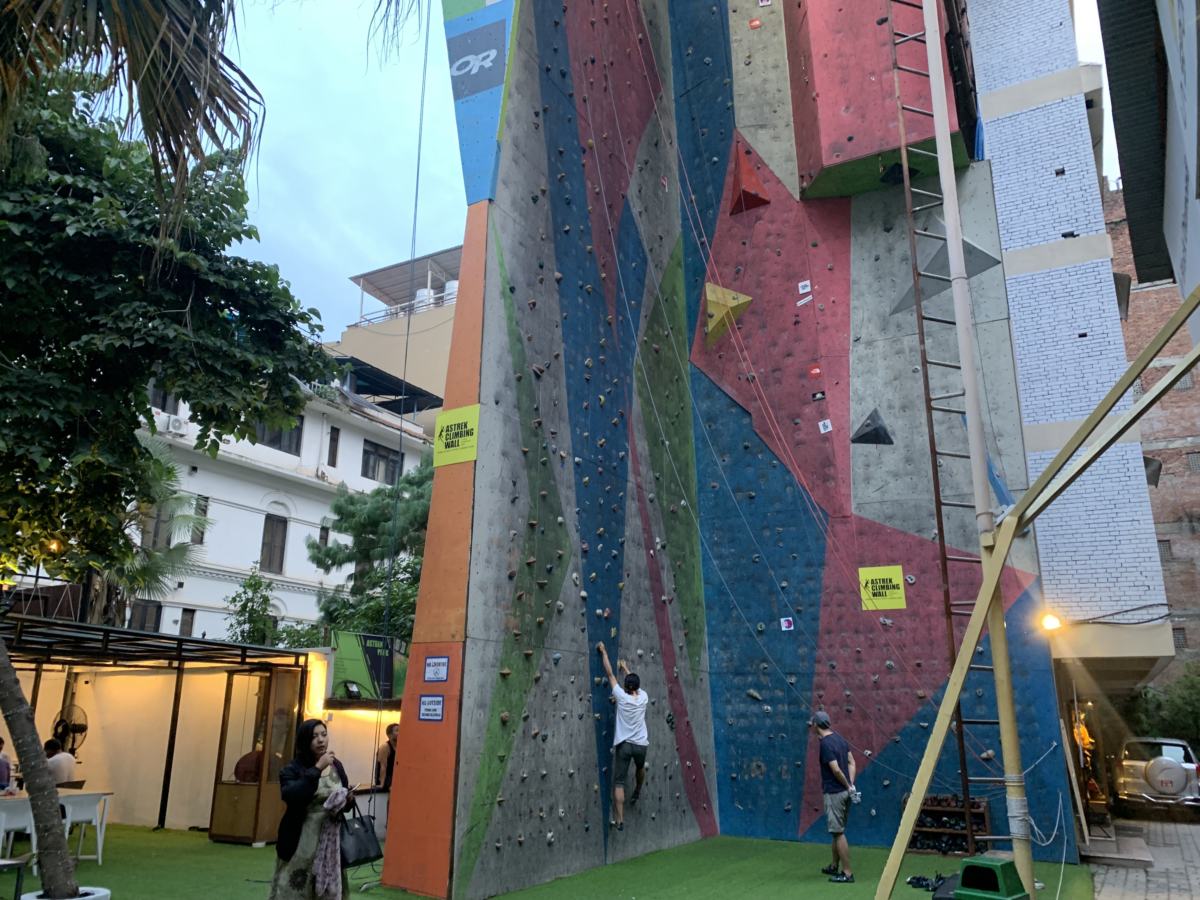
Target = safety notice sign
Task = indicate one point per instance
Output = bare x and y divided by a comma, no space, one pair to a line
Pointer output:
882,587
456,436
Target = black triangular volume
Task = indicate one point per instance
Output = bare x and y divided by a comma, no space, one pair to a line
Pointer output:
872,431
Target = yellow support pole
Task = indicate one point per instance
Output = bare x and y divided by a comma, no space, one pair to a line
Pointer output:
993,568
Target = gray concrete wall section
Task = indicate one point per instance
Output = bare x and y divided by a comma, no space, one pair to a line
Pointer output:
892,484
762,98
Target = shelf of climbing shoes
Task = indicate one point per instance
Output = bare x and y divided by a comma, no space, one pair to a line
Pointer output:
942,825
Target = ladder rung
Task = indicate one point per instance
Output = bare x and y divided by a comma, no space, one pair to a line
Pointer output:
944,365
954,410
980,668
911,4
966,559
929,234
916,109
902,38
911,71
925,206
922,152
966,613
953,453
925,193
935,276
957,505
942,321
949,397
979,721
992,837
985,779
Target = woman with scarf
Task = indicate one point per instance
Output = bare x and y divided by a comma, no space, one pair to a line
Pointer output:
316,792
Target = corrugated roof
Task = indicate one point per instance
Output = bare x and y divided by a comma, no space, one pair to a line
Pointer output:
397,284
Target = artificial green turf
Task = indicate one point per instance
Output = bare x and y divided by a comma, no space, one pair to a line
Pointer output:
173,865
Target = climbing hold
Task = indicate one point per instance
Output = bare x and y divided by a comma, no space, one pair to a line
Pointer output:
872,430
505,672
748,191
754,695
723,308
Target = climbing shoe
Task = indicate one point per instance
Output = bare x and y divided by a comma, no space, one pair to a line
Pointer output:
842,878
633,799
831,869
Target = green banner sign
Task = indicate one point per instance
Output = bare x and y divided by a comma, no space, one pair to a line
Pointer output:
367,667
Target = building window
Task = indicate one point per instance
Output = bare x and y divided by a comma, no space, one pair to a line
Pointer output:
200,509
156,530
380,463
145,615
323,536
1193,460
335,434
285,439
1179,633
1164,550
1184,383
160,399
187,621
273,540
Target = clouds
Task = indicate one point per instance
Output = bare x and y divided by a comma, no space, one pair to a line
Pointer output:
331,189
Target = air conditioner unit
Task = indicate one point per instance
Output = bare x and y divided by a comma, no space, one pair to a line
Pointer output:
175,424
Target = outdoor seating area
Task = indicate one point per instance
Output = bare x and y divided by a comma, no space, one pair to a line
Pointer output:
80,808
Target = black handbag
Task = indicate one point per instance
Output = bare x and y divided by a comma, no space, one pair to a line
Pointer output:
359,844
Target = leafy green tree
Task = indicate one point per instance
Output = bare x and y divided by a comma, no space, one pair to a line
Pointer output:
87,326
386,531
251,621
98,298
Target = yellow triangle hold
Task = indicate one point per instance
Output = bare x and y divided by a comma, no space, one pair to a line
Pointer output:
723,307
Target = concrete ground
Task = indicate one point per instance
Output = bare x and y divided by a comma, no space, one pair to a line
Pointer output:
1176,871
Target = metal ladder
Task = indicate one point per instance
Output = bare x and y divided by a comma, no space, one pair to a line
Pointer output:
919,200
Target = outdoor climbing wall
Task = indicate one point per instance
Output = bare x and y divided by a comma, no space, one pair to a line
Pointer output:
700,422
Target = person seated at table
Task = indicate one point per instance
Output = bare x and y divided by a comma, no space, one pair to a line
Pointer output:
62,763
5,768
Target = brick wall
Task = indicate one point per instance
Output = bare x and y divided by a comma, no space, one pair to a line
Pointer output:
1170,434
1096,545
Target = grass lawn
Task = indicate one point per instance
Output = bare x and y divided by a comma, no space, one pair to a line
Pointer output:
172,865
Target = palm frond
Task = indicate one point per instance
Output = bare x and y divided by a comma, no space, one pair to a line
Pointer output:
167,56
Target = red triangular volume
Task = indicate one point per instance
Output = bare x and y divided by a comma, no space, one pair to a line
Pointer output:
748,190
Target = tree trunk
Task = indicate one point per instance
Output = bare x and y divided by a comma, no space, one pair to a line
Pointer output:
54,859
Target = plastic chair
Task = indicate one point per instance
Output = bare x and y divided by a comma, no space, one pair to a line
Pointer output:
85,810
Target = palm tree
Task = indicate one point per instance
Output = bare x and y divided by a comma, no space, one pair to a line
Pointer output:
167,518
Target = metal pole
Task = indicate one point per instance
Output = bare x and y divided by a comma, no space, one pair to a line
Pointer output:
170,764
1010,744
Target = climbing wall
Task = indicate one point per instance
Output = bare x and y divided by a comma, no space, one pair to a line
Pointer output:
700,423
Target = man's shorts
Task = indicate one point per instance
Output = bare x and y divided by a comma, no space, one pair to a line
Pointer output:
625,751
837,809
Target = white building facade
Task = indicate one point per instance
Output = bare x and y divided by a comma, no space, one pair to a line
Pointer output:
266,500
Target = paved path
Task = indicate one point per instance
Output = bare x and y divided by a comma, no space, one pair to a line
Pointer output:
1176,872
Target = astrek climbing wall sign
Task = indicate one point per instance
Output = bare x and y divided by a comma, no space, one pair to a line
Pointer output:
456,436
882,587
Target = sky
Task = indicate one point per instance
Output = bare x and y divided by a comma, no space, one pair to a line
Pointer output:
332,186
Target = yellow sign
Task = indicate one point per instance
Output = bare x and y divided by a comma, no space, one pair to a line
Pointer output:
882,587
456,437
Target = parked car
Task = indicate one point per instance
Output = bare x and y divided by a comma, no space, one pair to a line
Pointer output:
1156,773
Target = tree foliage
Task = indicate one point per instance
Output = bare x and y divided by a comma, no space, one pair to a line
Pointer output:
1169,711
250,620
88,324
386,529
